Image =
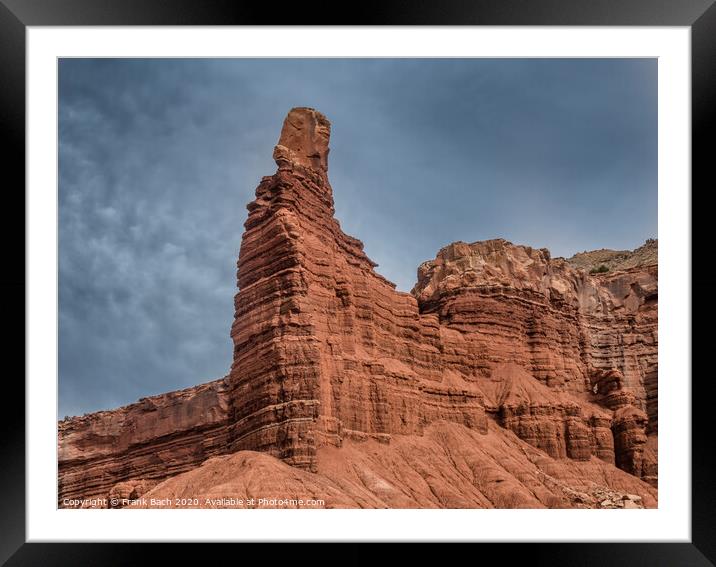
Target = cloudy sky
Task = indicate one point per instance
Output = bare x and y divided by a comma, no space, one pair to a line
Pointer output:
158,159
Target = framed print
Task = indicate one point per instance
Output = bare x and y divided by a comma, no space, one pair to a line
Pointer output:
393,279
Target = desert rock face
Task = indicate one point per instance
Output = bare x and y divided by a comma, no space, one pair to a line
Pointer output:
615,260
498,348
583,343
324,346
109,452
448,466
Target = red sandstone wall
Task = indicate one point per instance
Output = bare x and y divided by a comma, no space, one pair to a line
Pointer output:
325,348
152,439
503,307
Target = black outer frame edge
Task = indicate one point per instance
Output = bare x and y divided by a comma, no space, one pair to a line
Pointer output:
12,284
700,14
703,124
357,554
367,12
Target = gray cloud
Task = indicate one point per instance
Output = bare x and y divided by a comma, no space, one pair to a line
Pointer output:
158,159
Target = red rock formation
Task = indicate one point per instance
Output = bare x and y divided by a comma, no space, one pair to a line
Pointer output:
589,338
449,466
324,346
328,355
109,452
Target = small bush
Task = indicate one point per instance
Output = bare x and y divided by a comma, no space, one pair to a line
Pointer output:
600,270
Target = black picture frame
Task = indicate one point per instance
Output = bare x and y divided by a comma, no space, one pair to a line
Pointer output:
16,15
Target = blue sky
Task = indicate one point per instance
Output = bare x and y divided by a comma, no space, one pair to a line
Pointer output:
158,159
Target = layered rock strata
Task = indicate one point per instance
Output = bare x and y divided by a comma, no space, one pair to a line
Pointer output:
585,345
328,354
126,450
449,466
324,347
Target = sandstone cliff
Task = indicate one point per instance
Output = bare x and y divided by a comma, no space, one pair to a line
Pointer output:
646,255
147,441
500,359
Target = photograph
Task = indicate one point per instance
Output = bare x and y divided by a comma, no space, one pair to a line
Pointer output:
358,283
388,275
